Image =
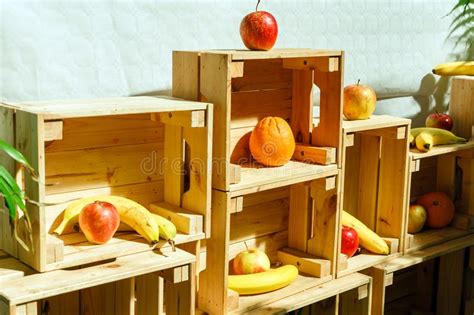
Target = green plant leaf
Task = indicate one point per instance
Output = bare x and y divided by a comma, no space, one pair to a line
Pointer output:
17,156
463,23
9,199
16,190
460,3
461,15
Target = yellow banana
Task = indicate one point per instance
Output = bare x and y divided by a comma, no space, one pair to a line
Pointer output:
430,137
256,283
455,68
413,133
168,230
131,213
368,239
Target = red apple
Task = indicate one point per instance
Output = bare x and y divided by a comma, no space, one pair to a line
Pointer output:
259,30
437,120
251,260
359,101
349,241
99,221
416,218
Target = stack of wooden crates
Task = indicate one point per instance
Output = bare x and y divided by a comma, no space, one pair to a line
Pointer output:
190,161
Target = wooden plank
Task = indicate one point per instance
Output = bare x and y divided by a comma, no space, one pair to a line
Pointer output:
397,133
324,241
55,249
267,195
351,174
466,203
232,300
29,141
173,157
114,130
392,189
55,110
322,64
149,294
256,178
350,303
263,75
243,54
11,268
328,132
179,296
190,119
213,281
305,263
259,220
234,174
315,155
302,106
98,300
368,180
446,174
102,167
269,243
450,283
462,93
299,217
185,77
215,78
314,294
374,122
44,285
393,244
125,297
274,102
348,140
442,149
53,130
425,285
379,282
198,165
185,221
7,133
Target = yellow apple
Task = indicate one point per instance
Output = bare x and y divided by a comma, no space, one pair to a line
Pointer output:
416,218
251,260
359,101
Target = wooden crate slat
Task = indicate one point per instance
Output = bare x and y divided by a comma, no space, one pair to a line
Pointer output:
302,106
43,285
462,94
276,53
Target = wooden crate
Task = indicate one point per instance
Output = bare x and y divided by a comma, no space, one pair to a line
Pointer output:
375,175
143,283
246,86
347,295
420,282
149,149
447,168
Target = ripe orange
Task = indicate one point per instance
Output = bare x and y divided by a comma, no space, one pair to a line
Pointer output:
272,142
439,208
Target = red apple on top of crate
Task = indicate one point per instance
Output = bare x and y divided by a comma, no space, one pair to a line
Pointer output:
439,120
259,30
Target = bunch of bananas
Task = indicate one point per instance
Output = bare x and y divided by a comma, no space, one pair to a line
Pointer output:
424,139
136,217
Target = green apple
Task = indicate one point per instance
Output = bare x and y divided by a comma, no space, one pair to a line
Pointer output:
416,218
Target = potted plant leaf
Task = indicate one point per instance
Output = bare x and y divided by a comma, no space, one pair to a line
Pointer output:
14,196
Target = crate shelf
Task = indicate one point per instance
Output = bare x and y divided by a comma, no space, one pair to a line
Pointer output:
442,149
449,169
148,149
127,276
375,172
255,177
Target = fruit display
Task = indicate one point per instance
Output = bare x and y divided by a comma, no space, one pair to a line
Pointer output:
250,261
438,120
439,209
455,68
259,30
99,221
349,241
416,218
272,142
359,101
263,282
424,139
368,239
149,225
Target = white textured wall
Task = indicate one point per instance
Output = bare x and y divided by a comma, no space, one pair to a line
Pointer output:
81,49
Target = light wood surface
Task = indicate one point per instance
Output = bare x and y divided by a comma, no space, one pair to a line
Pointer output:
441,149
276,53
461,106
374,122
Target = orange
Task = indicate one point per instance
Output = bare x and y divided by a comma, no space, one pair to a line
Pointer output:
439,208
272,142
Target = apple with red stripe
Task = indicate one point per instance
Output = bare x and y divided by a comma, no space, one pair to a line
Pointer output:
259,30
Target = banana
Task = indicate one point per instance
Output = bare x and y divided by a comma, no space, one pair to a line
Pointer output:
262,282
131,213
368,239
455,68
167,228
429,137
